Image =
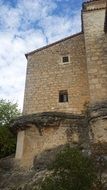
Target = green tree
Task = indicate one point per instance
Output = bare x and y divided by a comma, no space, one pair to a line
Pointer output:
8,112
71,171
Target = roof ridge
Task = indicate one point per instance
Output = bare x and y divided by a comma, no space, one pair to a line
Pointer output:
89,1
54,43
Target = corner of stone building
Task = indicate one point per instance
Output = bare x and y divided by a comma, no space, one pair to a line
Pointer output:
96,115
95,44
93,14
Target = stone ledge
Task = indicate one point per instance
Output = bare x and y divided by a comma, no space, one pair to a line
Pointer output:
97,110
46,119
51,119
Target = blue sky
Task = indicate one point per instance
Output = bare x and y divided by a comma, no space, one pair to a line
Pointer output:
26,25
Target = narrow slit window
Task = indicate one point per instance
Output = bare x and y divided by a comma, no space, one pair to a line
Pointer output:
63,96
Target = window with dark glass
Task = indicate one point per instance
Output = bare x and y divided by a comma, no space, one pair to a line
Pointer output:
63,96
65,59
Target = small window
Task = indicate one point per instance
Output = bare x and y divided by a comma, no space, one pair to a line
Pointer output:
63,96
65,59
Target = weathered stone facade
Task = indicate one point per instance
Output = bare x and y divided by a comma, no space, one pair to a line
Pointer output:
83,77
46,76
96,51
45,131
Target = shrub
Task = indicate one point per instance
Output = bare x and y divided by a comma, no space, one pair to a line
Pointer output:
70,171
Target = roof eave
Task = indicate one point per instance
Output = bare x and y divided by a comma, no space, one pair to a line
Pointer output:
52,44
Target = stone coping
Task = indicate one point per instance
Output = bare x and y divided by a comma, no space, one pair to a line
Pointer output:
84,5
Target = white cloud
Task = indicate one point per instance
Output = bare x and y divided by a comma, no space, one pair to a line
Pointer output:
22,29
13,62
9,18
56,27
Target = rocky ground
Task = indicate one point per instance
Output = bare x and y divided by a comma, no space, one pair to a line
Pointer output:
14,178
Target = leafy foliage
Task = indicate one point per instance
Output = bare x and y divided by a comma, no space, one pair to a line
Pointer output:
8,111
71,171
7,142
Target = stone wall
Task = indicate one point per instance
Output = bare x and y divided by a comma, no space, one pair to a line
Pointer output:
48,131
34,143
20,144
46,76
94,14
96,53
85,79
98,123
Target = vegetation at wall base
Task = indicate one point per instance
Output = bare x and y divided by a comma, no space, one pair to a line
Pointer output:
70,171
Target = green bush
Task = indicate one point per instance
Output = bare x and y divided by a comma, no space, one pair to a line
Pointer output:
8,112
7,142
71,171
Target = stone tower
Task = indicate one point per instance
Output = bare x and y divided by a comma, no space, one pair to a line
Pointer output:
94,23
96,49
